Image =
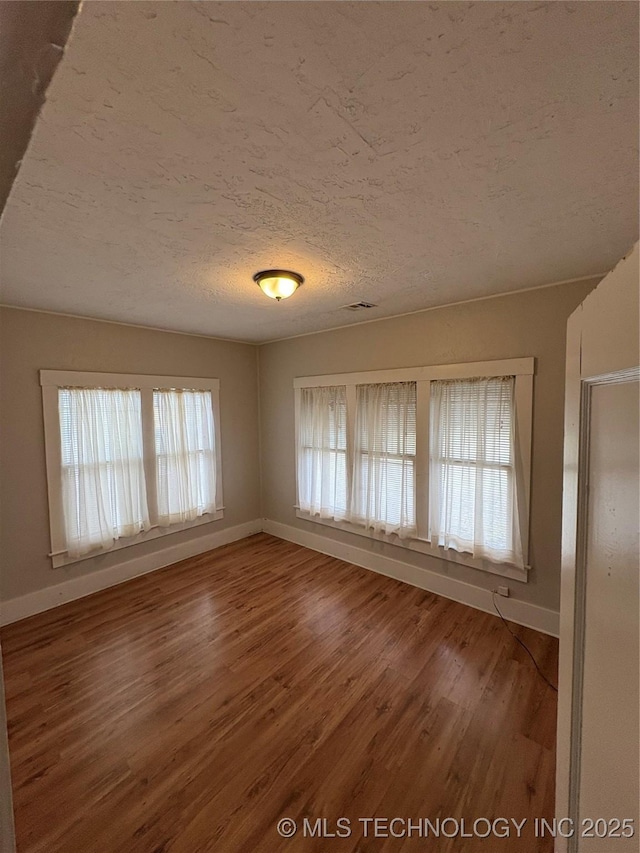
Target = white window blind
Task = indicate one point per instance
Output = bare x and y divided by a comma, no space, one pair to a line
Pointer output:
103,487
473,482
436,459
322,452
383,496
185,455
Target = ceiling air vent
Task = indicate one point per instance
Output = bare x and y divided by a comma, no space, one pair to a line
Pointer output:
359,306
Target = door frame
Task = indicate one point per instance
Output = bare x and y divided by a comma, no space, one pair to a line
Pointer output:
578,572
584,372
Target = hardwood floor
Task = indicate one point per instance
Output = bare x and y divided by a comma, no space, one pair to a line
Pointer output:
193,708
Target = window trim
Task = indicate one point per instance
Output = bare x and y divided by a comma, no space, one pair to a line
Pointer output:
522,368
51,381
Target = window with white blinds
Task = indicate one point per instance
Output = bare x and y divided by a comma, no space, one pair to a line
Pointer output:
378,489
185,454
383,495
128,458
435,459
102,468
322,452
474,495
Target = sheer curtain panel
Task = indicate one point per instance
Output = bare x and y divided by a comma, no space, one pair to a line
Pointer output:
185,455
473,481
383,496
103,487
322,452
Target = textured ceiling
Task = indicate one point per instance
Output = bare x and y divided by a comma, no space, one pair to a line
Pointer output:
409,154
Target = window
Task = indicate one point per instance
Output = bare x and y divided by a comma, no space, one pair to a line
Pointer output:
384,456
185,454
322,452
129,458
474,499
103,493
436,459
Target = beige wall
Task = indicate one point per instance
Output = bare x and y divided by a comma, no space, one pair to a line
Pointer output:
30,341
527,324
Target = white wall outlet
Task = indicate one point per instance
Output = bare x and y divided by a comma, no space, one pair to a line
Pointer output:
503,590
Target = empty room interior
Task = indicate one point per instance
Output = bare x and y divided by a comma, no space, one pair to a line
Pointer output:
319,371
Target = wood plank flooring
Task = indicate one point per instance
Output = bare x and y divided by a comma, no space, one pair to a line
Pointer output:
191,709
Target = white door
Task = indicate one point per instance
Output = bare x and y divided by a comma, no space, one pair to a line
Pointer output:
598,704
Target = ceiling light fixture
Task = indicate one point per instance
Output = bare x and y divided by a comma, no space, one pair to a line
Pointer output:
278,284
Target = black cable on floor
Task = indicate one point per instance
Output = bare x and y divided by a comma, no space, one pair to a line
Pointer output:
527,650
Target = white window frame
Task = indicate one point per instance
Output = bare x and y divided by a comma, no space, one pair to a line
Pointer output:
51,381
522,368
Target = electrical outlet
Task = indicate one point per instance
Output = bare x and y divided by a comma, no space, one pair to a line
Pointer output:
503,590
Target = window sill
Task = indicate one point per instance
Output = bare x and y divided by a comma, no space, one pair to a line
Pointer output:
60,558
423,546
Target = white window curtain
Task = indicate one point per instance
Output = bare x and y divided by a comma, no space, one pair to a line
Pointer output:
185,455
103,486
322,452
383,495
474,502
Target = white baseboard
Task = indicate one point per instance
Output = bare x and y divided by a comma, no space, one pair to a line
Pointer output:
529,615
521,612
61,593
